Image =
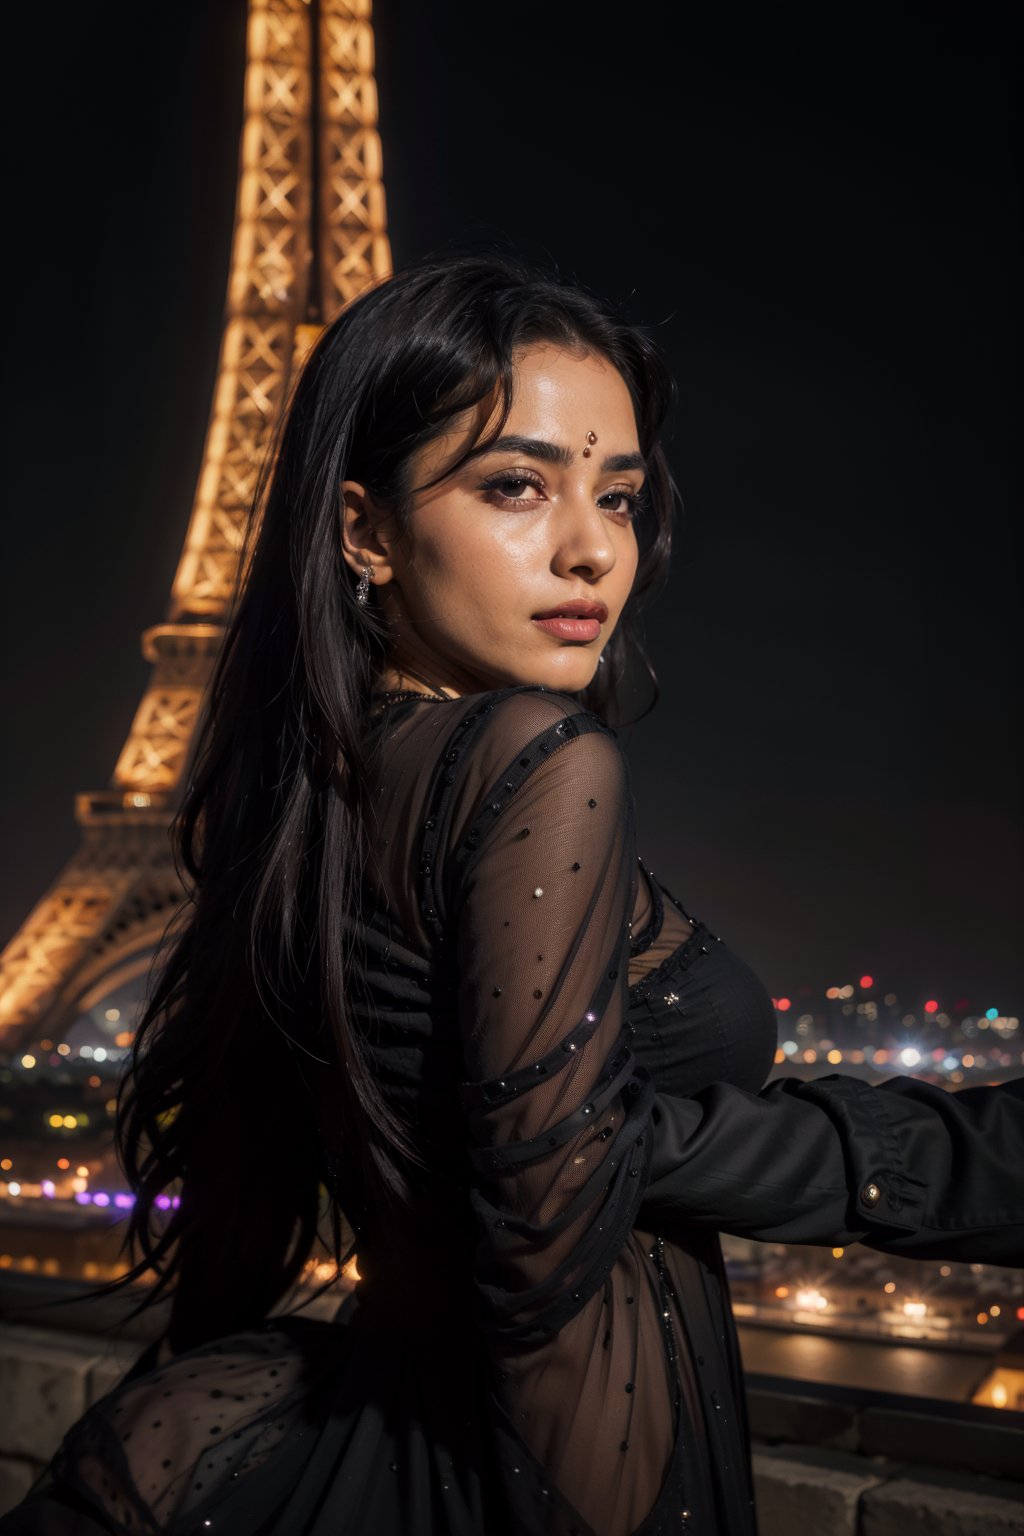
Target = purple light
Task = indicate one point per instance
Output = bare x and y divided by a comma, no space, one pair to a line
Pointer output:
83,1197
49,1188
163,1202
101,1199
124,1201
176,1201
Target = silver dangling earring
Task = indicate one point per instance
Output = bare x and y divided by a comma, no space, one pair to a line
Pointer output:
363,584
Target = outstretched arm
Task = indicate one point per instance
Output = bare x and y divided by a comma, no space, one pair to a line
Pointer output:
903,1166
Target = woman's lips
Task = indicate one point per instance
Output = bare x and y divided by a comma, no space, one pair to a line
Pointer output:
570,629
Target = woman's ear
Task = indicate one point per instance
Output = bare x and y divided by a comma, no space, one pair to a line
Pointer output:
360,520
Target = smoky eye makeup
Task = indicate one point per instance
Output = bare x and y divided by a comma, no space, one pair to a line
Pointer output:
497,485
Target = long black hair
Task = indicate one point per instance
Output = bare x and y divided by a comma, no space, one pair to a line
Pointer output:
270,835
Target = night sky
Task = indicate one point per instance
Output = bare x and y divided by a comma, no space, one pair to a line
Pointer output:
823,228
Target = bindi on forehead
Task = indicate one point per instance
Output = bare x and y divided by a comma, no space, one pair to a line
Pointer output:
557,453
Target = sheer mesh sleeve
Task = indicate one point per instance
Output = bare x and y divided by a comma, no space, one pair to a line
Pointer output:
556,1111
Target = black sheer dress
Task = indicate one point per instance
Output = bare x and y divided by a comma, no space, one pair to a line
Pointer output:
583,1065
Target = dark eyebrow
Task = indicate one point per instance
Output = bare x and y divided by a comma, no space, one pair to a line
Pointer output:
537,448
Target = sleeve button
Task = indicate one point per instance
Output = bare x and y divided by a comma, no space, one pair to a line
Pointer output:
871,1194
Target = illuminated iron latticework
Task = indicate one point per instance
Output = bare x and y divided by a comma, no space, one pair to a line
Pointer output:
310,234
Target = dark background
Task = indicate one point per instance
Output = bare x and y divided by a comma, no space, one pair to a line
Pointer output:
820,219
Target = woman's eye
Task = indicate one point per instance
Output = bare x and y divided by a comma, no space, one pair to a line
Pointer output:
629,502
511,487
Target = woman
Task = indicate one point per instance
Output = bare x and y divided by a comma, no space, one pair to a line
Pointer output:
426,968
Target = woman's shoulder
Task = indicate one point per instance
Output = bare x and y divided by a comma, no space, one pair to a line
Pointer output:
524,702
506,737
526,747
505,722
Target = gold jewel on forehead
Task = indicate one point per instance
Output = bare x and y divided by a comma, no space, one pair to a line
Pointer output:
591,438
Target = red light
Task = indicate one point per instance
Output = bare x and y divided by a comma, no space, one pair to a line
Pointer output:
931,1006
1020,1314
782,1004
867,981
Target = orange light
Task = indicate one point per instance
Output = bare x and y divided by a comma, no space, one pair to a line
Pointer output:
783,1004
62,1162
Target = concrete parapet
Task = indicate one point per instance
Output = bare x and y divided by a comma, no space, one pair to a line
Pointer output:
17,1474
943,1504
47,1380
816,1492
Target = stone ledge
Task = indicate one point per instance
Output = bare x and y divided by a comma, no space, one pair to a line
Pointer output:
910,1432
925,1432
943,1504
17,1474
47,1380
822,1492
802,1419
814,1491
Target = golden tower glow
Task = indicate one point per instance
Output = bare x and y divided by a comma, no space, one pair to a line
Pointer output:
310,233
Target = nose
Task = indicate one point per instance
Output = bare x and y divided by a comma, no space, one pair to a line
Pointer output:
585,544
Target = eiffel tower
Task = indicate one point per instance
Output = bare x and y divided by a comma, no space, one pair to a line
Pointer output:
310,234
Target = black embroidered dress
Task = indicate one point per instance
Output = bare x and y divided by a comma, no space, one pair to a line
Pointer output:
583,1066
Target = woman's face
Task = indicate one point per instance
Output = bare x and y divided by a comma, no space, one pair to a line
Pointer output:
519,531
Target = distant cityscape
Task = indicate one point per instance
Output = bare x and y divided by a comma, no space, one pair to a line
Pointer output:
62,1200
860,1024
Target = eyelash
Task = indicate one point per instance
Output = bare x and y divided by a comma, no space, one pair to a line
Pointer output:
521,477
